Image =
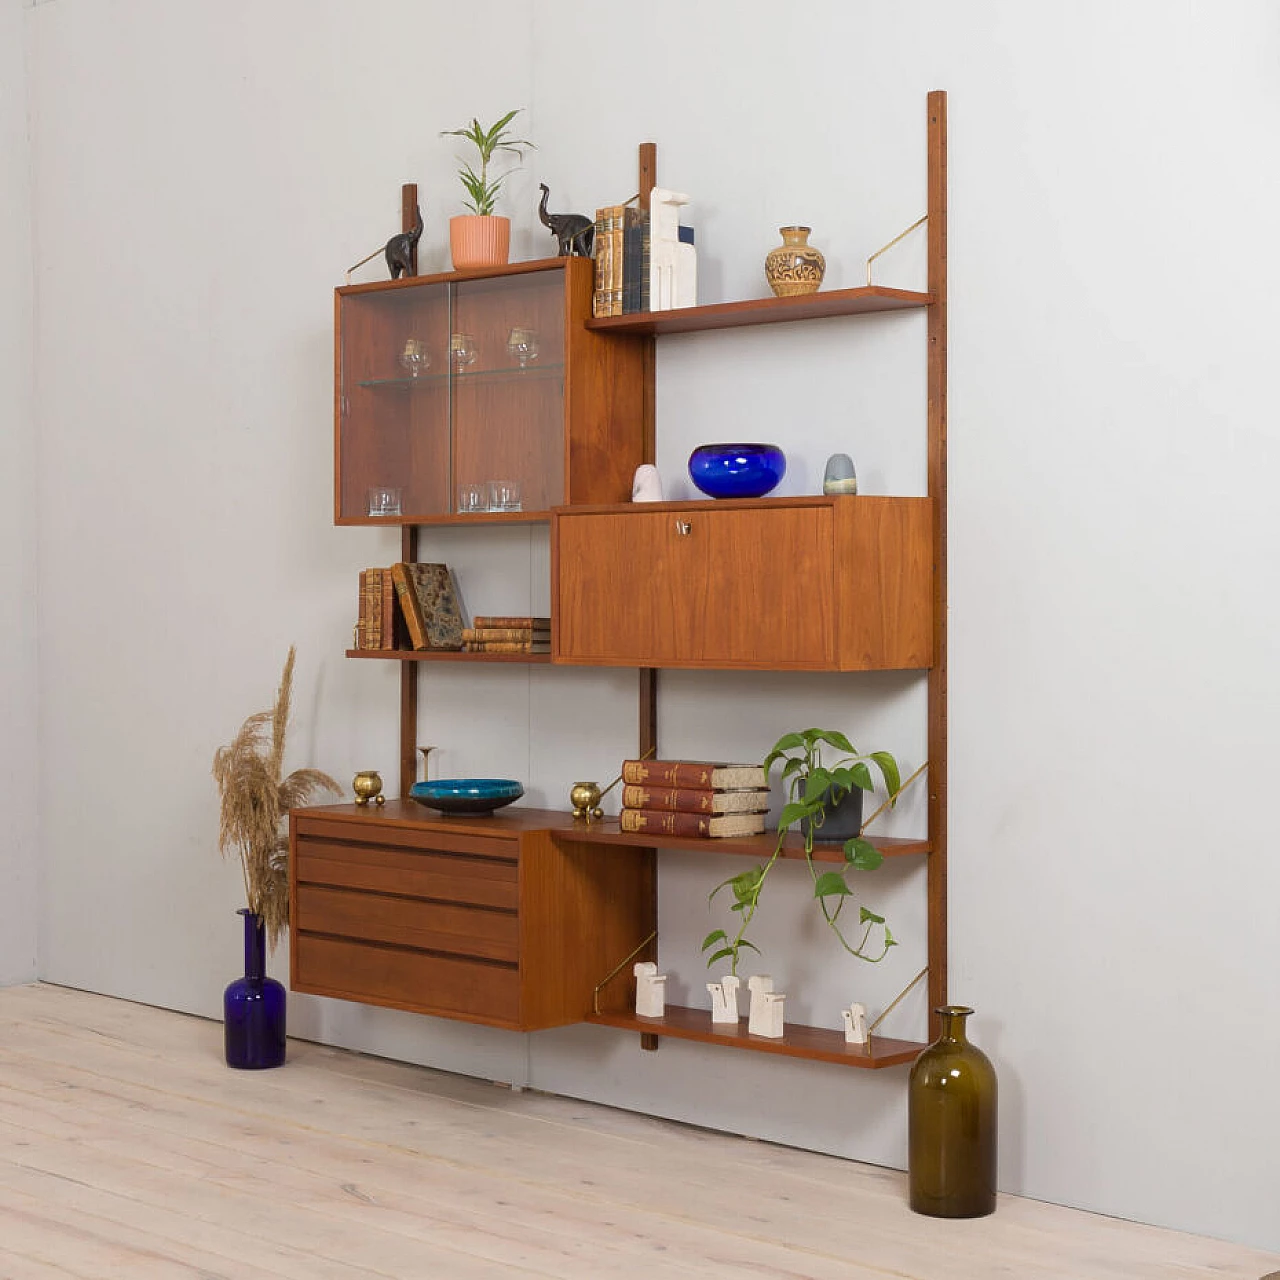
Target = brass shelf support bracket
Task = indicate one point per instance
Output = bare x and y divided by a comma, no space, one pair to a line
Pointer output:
919,222
613,973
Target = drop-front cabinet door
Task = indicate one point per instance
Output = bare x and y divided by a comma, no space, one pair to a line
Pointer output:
696,585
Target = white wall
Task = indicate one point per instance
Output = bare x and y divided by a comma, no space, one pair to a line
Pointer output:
1113,439
19,749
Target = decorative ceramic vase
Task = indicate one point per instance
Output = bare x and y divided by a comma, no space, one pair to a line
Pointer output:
479,241
951,1125
795,266
253,1007
737,470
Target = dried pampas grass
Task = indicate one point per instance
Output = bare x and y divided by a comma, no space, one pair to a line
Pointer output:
255,799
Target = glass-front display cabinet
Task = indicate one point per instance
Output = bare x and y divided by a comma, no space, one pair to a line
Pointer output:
466,397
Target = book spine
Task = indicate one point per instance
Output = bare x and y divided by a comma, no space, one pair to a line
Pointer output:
615,261
695,799
507,646
409,605
373,589
511,620
642,299
362,622
683,773
632,226
664,822
388,601
602,244
506,633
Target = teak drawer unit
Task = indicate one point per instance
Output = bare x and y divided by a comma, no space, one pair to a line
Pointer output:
510,922
808,583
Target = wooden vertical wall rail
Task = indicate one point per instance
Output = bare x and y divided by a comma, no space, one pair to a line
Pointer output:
937,466
408,687
409,219
647,179
409,553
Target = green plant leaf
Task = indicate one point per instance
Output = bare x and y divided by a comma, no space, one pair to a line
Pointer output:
792,813
816,785
831,884
835,739
889,939
867,916
860,775
725,953
716,935
862,855
889,768
788,742
750,946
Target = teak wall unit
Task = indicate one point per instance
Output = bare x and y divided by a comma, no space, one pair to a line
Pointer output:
515,920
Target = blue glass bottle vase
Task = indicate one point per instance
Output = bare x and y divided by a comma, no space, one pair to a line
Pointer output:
253,1007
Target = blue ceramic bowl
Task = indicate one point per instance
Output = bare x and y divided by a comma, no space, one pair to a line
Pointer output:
466,795
737,470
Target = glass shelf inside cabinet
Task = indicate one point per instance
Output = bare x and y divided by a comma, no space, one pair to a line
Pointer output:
436,380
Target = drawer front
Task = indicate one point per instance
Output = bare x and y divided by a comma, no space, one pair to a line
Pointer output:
443,877
419,981
475,932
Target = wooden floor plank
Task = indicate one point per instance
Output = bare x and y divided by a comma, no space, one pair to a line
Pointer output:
127,1147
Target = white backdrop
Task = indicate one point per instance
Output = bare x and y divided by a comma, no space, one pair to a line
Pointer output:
202,177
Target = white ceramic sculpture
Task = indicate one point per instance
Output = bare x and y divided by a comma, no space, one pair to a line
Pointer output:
651,990
855,1024
769,1021
673,266
759,984
647,485
724,999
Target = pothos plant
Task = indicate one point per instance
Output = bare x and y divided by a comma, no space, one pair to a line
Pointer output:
811,790
482,189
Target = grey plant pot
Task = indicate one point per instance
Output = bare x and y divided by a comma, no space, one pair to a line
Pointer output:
842,821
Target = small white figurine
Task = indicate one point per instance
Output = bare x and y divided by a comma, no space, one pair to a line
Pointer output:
769,1022
855,1024
647,485
759,984
651,993
724,999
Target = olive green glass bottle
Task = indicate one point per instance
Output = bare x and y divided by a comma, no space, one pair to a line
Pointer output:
951,1125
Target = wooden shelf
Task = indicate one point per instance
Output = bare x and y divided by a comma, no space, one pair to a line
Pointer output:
606,832
817,1044
475,517
448,655
736,315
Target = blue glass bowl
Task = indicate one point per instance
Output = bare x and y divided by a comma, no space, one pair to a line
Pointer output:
737,470
464,796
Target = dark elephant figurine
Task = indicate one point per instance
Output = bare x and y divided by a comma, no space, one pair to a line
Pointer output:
574,232
400,248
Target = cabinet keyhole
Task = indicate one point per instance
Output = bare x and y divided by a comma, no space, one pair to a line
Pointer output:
684,528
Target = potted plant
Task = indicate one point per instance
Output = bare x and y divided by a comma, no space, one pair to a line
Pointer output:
482,238
812,791
255,800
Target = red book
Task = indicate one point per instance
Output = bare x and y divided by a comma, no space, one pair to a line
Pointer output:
696,799
664,822
693,773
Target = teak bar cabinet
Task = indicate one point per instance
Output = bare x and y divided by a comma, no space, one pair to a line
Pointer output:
529,919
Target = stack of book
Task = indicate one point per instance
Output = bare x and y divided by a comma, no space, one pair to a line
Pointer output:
515,634
428,615
693,798
377,626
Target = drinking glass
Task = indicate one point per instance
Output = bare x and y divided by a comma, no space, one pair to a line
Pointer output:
504,495
384,501
462,350
522,345
472,498
414,357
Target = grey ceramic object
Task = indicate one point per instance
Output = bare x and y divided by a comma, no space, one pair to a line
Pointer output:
840,476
